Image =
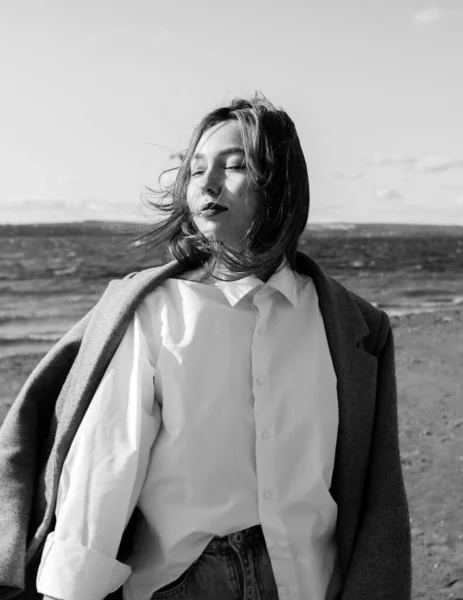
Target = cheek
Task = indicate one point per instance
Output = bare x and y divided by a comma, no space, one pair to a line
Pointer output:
250,201
253,200
245,195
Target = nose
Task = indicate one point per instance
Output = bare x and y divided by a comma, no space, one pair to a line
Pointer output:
210,183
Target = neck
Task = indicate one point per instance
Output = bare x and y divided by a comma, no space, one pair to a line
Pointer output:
223,272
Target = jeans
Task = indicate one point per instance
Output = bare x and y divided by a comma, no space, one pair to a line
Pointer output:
234,567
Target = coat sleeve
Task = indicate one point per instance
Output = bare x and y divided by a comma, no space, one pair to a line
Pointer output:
380,567
21,436
102,477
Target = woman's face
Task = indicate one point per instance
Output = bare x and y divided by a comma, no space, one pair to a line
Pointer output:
219,193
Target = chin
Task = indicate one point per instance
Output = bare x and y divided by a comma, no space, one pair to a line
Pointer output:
212,232
208,229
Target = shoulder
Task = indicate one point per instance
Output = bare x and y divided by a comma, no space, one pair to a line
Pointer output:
155,282
377,321
349,306
156,273
346,301
122,298
373,315
155,288
136,285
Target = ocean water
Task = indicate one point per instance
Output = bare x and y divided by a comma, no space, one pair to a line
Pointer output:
51,275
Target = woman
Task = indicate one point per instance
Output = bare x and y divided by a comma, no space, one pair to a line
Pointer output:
224,426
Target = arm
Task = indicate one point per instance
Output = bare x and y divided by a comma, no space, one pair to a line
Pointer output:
102,478
381,562
22,435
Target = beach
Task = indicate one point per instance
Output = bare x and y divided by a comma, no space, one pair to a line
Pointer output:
429,359
51,275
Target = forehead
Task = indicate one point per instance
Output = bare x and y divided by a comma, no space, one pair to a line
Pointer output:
219,137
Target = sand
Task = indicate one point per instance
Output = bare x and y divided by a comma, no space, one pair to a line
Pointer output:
429,357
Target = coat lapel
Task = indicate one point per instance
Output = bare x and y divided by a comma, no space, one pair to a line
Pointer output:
356,385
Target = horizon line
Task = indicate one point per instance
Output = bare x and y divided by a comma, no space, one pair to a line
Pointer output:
309,224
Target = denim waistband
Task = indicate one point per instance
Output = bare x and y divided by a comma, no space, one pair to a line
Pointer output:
249,538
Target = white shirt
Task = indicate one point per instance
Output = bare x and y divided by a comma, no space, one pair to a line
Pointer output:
217,412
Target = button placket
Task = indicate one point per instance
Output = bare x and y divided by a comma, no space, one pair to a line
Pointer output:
245,566
260,358
263,410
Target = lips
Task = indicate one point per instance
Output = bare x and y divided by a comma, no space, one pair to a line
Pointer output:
212,208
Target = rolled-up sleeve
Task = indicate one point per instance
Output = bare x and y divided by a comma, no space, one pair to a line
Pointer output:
102,478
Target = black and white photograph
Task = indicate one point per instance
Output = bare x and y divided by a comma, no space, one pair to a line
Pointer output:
231,300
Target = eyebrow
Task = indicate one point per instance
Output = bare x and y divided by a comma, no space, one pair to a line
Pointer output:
231,150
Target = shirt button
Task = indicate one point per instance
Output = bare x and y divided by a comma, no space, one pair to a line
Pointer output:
268,494
265,435
261,330
283,591
260,380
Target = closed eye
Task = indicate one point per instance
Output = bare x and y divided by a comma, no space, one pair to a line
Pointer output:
229,168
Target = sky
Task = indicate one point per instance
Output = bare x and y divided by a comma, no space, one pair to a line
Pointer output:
97,95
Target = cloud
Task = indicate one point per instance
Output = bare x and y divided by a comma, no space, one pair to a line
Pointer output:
35,210
348,176
438,163
395,159
65,204
42,204
453,188
426,17
65,180
428,164
389,194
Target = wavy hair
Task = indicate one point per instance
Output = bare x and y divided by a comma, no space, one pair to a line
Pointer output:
278,174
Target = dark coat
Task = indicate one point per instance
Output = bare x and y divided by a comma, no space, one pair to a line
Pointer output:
373,530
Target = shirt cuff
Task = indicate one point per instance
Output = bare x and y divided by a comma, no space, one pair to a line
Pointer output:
69,571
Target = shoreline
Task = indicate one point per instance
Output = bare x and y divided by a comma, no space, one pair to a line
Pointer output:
40,343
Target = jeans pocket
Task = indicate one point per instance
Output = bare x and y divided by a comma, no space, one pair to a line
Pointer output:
175,586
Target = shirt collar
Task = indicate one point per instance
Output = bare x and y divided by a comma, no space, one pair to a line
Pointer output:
283,280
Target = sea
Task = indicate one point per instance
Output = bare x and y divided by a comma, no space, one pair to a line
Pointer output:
52,274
